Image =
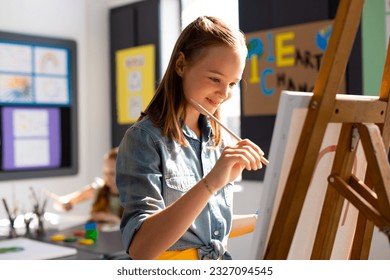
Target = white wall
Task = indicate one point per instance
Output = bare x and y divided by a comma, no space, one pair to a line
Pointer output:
86,22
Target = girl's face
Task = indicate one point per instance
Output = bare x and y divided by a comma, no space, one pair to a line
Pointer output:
211,78
109,173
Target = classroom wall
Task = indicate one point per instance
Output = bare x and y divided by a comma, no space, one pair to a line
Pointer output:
84,21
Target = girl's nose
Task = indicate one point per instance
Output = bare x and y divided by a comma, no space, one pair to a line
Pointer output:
225,91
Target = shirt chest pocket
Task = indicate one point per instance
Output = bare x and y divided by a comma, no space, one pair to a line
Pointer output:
177,186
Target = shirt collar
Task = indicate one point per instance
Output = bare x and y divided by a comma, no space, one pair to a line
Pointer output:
205,128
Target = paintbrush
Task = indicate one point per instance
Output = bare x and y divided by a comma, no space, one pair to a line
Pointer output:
235,136
7,210
54,196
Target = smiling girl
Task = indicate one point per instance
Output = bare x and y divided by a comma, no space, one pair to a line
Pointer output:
176,167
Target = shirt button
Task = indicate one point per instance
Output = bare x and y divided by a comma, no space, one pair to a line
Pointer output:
216,232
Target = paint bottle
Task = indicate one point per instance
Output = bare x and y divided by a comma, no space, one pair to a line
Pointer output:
91,231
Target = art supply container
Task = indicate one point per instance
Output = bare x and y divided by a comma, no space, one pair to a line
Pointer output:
91,231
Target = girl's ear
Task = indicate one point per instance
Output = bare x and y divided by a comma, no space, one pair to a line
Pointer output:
179,66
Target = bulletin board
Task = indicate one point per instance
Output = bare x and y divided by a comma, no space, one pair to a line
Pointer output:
38,106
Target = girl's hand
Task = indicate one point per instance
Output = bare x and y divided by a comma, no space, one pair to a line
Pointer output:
243,155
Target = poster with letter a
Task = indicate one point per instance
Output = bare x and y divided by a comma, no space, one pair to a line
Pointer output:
285,58
135,68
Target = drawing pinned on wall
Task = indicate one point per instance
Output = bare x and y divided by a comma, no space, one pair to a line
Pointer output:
134,81
50,61
15,58
15,89
135,107
51,90
135,68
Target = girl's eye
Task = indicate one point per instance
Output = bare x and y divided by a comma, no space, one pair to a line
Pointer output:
232,85
215,80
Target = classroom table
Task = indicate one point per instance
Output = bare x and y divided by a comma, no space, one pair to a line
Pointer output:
108,245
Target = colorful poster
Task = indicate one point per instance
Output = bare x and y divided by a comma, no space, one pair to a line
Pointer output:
286,58
135,68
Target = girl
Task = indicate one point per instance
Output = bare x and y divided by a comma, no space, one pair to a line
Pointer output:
175,168
106,207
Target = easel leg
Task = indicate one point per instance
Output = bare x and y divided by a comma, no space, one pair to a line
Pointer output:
362,241
333,203
378,165
329,78
365,228
364,232
371,199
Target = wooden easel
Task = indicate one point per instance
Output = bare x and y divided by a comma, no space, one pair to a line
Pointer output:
368,122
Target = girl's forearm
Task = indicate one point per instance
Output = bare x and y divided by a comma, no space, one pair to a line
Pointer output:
161,230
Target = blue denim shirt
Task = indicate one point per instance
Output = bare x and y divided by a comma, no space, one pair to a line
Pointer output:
154,171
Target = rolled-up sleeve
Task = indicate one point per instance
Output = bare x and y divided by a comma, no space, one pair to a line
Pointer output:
139,180
154,171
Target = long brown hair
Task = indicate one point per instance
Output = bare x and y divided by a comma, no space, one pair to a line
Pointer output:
168,106
102,201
